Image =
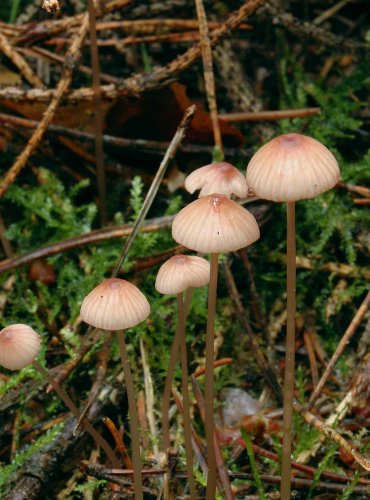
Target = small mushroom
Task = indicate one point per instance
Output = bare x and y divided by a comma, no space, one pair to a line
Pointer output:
213,224
116,304
19,347
175,276
289,168
220,177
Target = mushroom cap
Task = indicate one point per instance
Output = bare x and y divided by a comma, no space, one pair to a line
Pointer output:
214,224
181,272
19,346
115,304
292,167
220,177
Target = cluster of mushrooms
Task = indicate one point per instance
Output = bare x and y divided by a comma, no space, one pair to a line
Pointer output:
289,168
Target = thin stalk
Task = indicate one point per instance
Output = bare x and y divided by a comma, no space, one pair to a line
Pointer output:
209,380
134,421
98,114
185,397
100,441
289,355
167,391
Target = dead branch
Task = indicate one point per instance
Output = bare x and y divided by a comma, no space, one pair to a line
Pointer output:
269,115
209,77
83,239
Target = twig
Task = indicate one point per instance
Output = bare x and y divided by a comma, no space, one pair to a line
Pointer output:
281,114
135,144
330,12
219,362
311,357
98,114
345,270
209,77
19,62
101,370
83,239
304,29
332,434
263,365
298,482
149,397
51,56
170,153
303,468
222,470
72,58
361,190
120,445
348,334
8,250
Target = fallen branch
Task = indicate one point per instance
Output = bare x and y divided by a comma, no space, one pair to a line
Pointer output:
281,114
83,239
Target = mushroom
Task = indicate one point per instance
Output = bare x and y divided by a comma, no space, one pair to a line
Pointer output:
19,347
289,168
213,224
175,276
116,304
220,177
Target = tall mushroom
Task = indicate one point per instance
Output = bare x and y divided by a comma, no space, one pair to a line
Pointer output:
289,168
175,276
114,305
19,346
213,224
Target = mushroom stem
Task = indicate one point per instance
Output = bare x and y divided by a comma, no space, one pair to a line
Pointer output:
185,396
290,354
209,380
167,391
100,441
134,422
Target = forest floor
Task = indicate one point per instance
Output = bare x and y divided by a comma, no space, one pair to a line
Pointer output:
90,106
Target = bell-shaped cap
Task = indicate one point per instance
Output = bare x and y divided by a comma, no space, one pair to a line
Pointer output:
220,177
19,346
115,304
292,167
181,272
214,224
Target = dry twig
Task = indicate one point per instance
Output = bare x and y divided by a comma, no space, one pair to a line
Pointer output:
348,334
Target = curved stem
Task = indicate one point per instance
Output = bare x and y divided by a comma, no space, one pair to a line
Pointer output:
100,441
185,397
289,355
134,421
167,391
209,382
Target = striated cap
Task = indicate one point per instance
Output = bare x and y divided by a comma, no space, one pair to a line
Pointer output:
220,177
215,224
115,304
19,346
181,272
292,167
